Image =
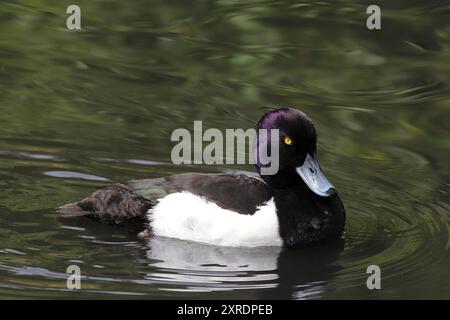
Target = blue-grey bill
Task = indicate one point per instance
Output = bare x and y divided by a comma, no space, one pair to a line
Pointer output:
314,178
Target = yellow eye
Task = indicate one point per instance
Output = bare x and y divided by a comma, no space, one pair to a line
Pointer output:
288,141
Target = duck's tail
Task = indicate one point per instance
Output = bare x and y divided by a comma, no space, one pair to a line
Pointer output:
116,203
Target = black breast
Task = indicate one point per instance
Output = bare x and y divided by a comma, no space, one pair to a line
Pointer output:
306,218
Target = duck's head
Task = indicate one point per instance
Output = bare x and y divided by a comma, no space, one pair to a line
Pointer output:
297,160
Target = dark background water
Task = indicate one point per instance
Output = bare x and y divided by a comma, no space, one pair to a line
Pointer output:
80,108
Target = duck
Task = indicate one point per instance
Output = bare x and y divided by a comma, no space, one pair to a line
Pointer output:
295,207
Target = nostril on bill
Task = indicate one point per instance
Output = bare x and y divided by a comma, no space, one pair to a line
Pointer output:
331,192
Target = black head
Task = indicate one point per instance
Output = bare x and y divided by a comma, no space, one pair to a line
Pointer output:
296,151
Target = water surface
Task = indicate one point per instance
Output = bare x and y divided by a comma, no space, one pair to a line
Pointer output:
81,109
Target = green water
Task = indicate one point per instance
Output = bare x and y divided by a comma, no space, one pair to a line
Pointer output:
77,108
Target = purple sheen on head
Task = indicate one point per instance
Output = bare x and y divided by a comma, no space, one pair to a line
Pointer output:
272,119
261,144
284,119
268,121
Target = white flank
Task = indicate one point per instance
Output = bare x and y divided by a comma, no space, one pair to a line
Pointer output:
186,216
